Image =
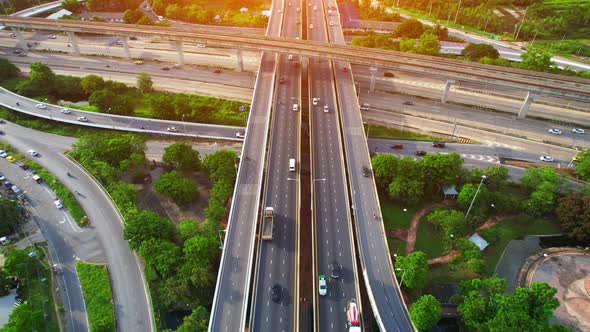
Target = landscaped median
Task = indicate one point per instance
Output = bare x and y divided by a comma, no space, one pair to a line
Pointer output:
96,288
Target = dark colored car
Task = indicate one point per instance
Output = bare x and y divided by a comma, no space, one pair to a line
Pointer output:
420,153
276,293
133,38
165,68
438,144
388,74
410,103
335,272
281,80
397,146
366,171
1,132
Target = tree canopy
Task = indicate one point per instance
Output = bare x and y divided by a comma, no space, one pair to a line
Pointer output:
9,215
425,312
182,190
477,51
573,212
384,169
412,269
143,225
144,82
410,28
182,156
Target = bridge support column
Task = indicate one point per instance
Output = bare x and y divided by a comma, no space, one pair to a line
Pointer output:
180,52
22,43
373,71
74,42
445,93
125,46
240,60
528,100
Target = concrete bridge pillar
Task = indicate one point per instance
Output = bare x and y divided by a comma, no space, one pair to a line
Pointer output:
445,93
74,42
125,46
528,100
180,52
240,60
373,71
22,43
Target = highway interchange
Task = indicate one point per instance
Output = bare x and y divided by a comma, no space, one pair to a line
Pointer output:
331,204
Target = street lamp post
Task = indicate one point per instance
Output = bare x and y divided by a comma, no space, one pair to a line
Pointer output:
183,123
111,118
483,177
401,283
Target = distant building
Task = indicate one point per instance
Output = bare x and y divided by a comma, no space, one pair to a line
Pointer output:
479,241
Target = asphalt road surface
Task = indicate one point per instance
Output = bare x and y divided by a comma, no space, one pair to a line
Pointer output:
276,262
382,287
230,302
132,308
334,249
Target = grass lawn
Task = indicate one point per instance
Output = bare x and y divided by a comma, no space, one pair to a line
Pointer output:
378,131
394,216
429,240
511,229
396,246
96,288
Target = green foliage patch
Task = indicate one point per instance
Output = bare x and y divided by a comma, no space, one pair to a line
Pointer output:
96,289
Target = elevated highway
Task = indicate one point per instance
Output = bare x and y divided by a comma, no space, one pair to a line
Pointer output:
533,82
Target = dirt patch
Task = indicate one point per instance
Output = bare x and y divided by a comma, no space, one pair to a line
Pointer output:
413,230
401,234
166,208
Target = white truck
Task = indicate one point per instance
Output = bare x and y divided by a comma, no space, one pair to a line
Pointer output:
267,223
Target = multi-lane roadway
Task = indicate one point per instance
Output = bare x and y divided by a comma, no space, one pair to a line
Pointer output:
277,258
334,245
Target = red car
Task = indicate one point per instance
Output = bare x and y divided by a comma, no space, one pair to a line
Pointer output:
344,69
217,71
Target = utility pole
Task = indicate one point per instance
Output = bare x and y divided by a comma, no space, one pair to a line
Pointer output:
483,177
457,13
521,22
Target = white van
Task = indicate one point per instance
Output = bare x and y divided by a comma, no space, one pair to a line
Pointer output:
291,165
295,107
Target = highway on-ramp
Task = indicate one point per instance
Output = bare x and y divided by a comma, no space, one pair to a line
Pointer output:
382,287
277,258
230,302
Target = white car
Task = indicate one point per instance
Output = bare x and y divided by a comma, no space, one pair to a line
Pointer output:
298,9
240,135
3,154
546,158
315,101
295,107
82,119
41,106
555,131
33,153
323,285
311,26
331,22
326,109
66,111
58,204
172,129
200,45
160,17
51,37
578,131
290,57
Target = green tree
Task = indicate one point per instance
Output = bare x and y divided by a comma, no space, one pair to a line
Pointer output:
182,156
538,60
162,105
413,269
496,176
124,194
428,44
384,169
573,212
542,200
72,5
183,191
583,166
408,186
467,193
142,225
187,229
441,32
17,263
92,83
25,318
440,169
110,148
145,21
221,165
200,250
8,70
131,16
163,255
425,312
410,28
451,221
407,45
9,215
198,321
123,105
103,100
41,80
145,83
5,283
69,87
474,52
535,176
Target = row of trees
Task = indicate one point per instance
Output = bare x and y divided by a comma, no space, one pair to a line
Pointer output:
179,261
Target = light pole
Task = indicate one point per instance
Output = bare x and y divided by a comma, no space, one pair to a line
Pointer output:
183,123
368,128
401,283
111,118
483,177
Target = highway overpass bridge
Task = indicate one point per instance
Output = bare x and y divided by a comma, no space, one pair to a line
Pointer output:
537,84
